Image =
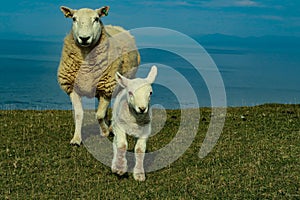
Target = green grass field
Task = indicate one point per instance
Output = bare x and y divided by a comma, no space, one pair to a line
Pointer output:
257,156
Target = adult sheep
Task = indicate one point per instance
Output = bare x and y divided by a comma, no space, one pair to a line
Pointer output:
91,56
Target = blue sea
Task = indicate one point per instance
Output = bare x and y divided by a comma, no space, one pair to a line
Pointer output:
252,74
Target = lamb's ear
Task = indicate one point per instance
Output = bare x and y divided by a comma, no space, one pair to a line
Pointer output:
103,11
121,80
68,12
152,74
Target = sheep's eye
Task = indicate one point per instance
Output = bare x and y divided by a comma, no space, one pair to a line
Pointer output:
96,19
74,19
150,93
130,93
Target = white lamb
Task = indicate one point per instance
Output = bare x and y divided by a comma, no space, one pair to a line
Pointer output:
131,116
91,55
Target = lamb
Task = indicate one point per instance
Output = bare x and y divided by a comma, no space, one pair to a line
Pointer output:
91,55
131,116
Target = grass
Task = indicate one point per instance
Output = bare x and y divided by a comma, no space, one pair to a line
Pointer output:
256,157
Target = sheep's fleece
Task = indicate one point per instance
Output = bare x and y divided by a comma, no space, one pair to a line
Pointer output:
91,71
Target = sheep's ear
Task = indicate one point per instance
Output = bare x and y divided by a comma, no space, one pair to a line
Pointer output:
103,11
121,80
152,74
68,12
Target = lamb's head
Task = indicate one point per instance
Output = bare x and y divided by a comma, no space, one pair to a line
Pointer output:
138,90
87,25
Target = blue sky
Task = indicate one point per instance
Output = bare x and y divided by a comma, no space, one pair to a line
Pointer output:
43,19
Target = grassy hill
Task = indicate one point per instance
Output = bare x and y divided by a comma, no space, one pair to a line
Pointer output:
256,156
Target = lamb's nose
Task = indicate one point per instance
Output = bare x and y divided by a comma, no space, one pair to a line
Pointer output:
84,39
142,109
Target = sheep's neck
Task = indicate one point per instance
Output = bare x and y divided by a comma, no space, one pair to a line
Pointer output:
94,62
87,51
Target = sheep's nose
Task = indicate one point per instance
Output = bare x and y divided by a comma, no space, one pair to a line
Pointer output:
142,109
84,39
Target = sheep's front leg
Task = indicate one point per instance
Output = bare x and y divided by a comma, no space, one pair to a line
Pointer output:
78,116
101,114
119,162
139,150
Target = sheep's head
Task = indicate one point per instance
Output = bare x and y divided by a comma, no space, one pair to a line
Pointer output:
87,24
138,90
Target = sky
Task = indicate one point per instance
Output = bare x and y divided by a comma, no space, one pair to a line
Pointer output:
43,19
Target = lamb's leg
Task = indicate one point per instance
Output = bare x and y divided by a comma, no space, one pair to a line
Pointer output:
101,114
119,162
139,150
78,116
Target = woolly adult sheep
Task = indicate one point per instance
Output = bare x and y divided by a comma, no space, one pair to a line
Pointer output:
131,116
91,55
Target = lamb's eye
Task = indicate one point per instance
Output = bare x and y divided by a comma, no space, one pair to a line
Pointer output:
74,19
96,19
130,93
150,93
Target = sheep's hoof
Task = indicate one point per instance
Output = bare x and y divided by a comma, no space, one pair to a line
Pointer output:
104,129
139,176
76,141
105,133
110,129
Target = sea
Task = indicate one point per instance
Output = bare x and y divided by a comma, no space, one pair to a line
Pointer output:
251,73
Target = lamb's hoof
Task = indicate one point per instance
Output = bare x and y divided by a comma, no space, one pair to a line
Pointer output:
76,142
120,170
139,176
